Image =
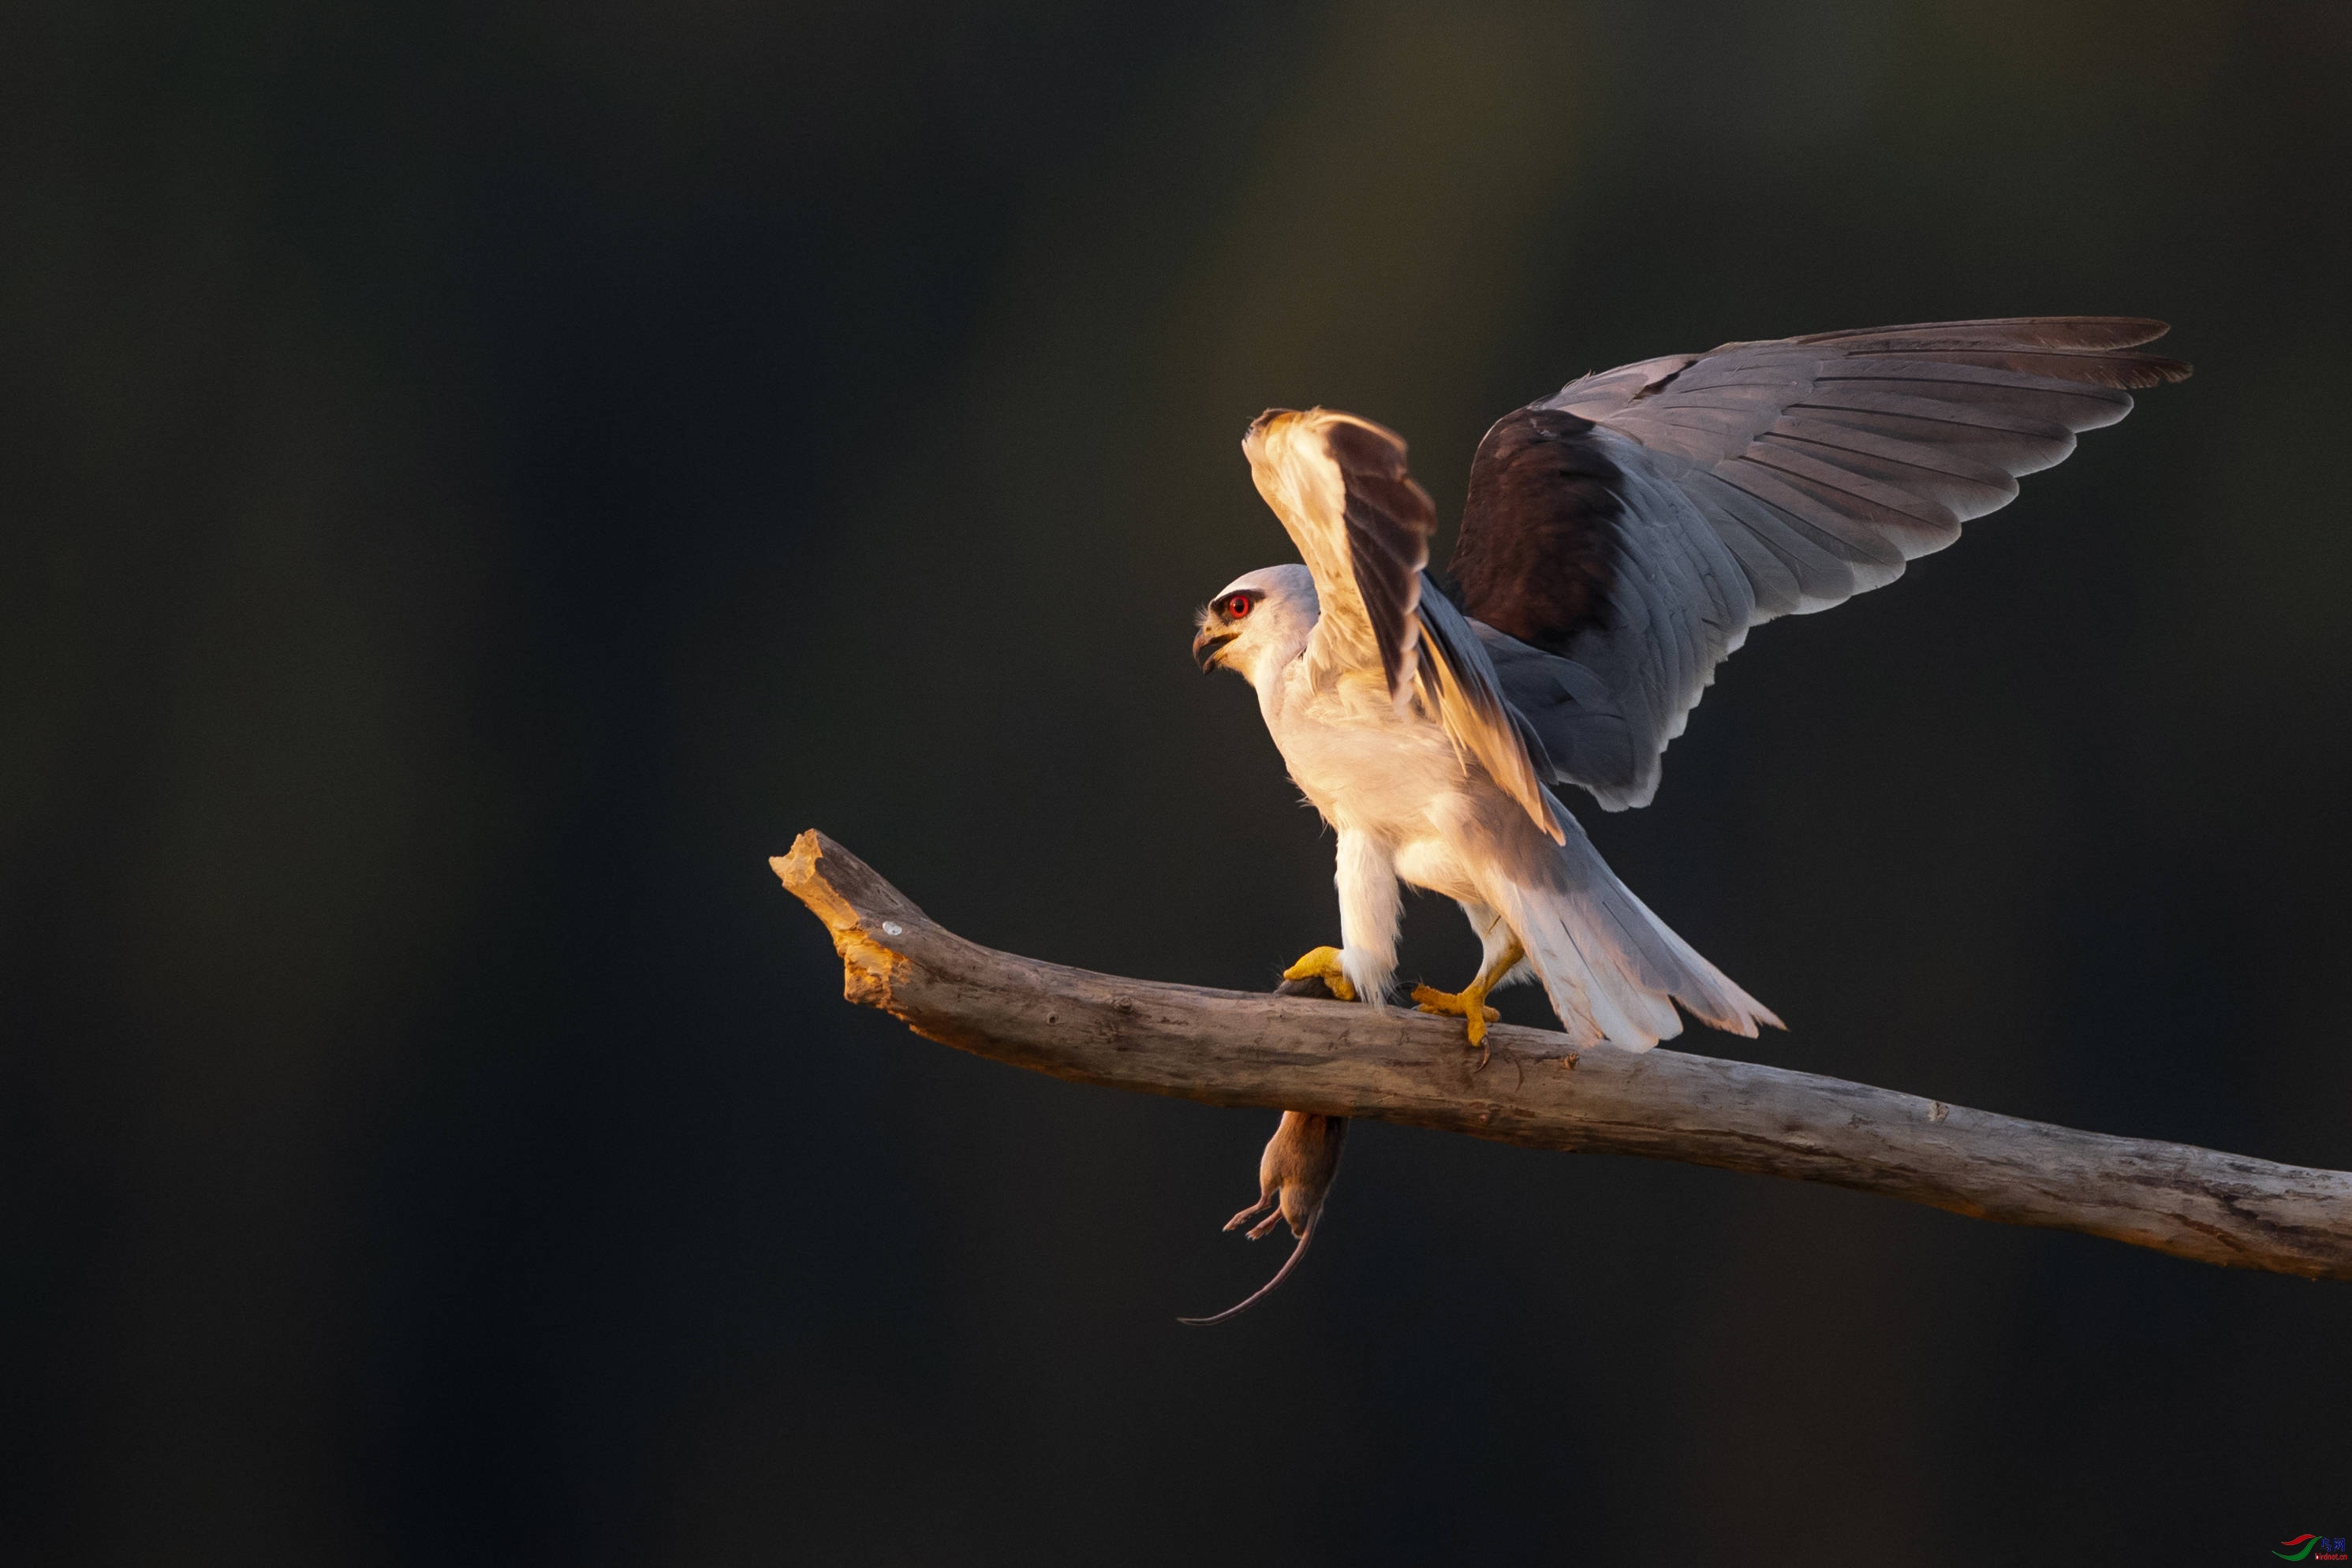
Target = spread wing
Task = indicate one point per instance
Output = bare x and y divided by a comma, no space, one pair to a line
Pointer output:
1362,524
1340,485
1620,536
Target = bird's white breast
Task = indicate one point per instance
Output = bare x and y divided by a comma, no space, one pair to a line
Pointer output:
1369,769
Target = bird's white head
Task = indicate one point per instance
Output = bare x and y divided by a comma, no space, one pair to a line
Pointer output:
1257,623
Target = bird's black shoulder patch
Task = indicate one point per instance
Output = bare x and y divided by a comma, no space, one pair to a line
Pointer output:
1539,551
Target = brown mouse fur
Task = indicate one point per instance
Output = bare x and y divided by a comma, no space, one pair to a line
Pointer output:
1294,1177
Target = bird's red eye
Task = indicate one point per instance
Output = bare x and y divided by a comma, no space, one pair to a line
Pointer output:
1238,606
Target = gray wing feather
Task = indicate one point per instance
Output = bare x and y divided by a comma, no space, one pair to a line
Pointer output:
1577,725
1468,701
1773,479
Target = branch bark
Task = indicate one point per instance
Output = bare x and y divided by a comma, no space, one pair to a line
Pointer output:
1230,1047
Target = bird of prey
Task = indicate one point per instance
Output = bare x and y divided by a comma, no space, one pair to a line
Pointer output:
1618,539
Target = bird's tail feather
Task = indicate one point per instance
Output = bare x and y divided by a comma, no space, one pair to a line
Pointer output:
1609,965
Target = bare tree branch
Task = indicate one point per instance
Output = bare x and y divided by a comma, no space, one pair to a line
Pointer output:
1230,1047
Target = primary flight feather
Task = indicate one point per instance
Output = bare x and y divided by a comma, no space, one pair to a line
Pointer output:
1618,541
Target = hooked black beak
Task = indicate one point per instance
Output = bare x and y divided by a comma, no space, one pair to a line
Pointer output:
1205,647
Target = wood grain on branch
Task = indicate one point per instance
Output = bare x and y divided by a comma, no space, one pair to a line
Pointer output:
1230,1047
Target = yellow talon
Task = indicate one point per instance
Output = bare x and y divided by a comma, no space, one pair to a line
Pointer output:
1469,1004
1323,963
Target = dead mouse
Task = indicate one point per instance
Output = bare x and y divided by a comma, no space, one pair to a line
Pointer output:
1294,1177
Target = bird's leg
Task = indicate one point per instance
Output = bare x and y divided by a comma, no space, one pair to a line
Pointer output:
1470,1002
1323,963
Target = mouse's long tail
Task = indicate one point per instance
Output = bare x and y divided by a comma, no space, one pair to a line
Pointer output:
1263,1291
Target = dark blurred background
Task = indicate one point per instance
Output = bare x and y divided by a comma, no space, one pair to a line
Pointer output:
480,479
